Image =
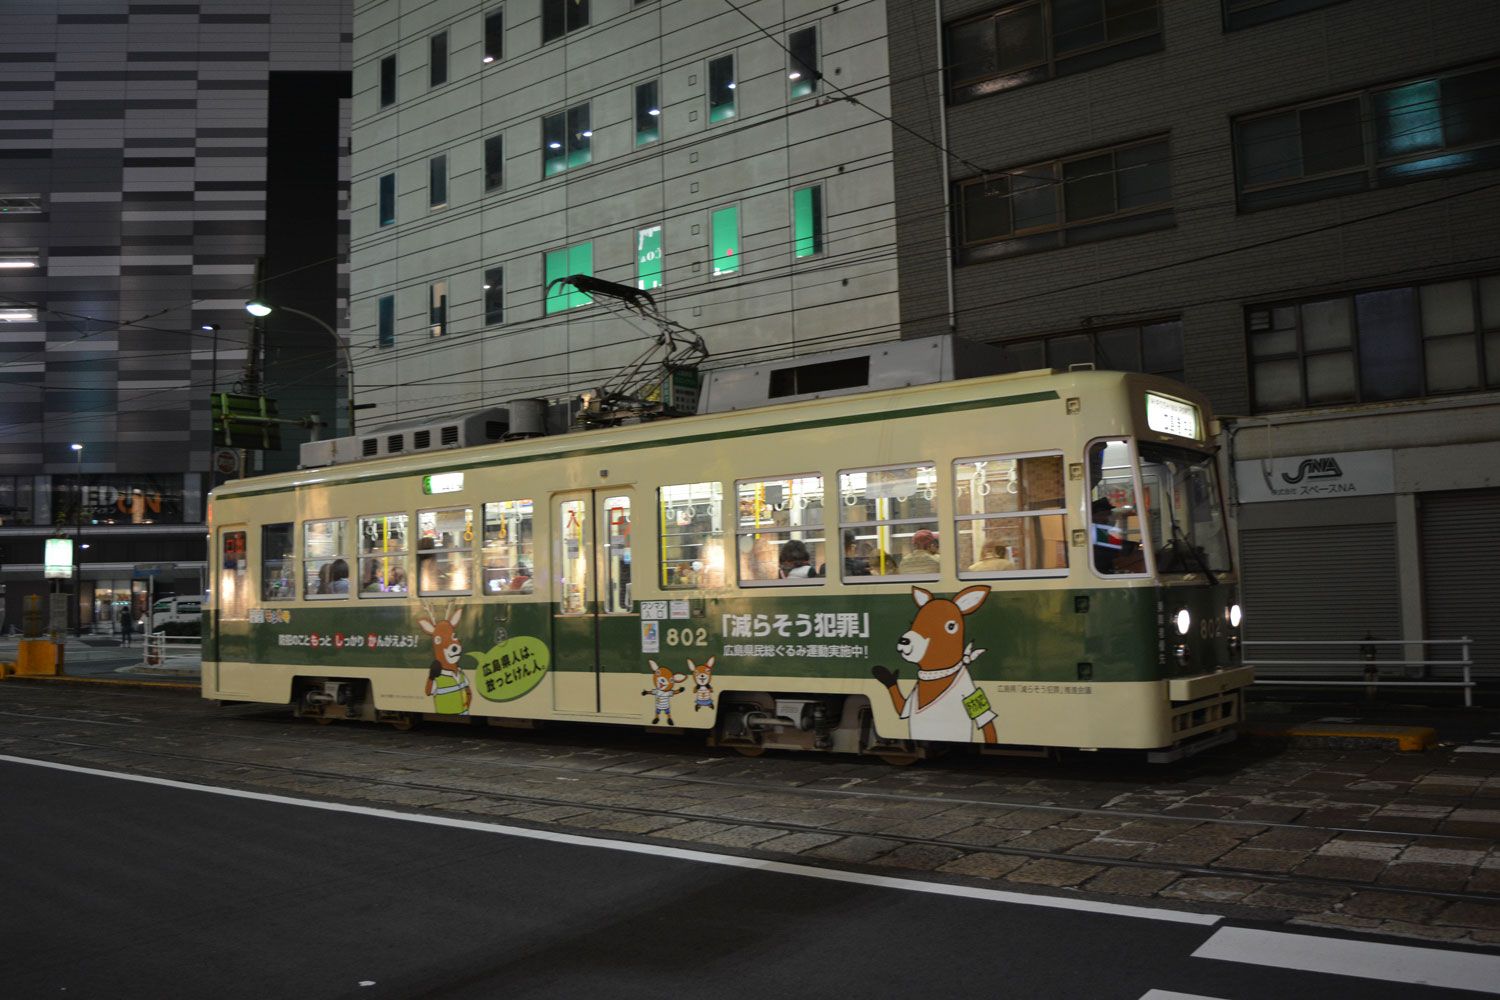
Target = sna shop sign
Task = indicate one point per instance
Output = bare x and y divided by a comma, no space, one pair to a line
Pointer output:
512,669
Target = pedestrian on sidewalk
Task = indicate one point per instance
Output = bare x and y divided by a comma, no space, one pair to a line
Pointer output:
125,628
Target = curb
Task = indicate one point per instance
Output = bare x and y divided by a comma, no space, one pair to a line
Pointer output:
1407,739
66,679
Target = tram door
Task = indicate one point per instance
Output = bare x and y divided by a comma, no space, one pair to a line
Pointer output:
595,629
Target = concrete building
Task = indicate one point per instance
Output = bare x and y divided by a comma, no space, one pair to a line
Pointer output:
732,160
136,196
1292,204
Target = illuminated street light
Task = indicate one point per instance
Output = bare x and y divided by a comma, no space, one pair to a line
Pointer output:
260,309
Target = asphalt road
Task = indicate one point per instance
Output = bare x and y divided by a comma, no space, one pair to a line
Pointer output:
124,889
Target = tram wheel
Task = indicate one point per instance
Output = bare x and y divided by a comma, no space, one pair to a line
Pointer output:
748,751
323,720
898,759
403,724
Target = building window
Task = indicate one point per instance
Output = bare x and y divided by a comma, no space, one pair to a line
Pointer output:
648,258
1385,344
494,163
647,113
888,518
1418,129
385,321
692,536
1021,43
437,59
562,16
802,62
1094,196
387,199
494,36
494,296
724,226
807,221
387,81
437,182
566,140
1248,13
559,264
437,308
721,88
1009,516
1154,348
779,531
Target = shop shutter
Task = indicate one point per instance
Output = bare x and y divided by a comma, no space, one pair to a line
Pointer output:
1326,583
1460,588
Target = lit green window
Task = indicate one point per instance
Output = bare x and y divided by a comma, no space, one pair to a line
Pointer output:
560,264
726,240
807,221
648,258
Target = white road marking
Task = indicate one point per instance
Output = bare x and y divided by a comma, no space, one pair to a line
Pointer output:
1396,963
662,851
1168,995
1477,750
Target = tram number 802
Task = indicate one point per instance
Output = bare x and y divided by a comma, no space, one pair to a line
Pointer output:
687,637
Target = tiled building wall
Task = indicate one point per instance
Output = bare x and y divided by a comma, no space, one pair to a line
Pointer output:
141,127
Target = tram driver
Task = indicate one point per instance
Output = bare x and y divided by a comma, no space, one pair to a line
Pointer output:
1113,552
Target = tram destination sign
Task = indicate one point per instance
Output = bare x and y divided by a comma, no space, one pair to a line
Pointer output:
1315,477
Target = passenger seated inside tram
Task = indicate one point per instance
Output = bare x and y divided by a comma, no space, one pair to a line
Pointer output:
796,562
994,561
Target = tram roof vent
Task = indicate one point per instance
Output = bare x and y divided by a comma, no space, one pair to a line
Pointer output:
890,365
477,427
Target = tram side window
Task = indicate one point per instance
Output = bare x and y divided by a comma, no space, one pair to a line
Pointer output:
888,522
508,556
780,531
382,555
234,598
325,563
1010,516
1115,534
616,598
692,536
445,551
278,563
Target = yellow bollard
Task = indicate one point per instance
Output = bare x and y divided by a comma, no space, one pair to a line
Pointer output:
39,658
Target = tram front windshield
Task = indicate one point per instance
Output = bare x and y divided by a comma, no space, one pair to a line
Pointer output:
1184,511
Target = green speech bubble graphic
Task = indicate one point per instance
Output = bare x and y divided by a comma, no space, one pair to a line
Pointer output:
512,669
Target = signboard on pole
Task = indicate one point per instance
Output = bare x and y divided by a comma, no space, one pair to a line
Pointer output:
58,559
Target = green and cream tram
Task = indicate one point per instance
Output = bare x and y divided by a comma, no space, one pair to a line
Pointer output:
1018,562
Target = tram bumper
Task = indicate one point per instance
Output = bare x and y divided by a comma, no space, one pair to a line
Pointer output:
1206,685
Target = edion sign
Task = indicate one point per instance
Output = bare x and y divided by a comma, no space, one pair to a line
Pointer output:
1166,415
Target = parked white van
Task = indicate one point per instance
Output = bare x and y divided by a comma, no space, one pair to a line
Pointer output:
174,611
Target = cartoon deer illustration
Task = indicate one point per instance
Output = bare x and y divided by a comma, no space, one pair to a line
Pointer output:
662,680
944,704
446,683
703,691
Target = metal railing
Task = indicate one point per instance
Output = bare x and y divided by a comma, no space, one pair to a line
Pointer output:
159,646
1368,664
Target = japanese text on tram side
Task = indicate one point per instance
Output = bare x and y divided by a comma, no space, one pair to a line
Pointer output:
826,651
339,640
836,625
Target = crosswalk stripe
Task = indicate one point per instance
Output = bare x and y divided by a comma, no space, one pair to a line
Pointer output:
1168,995
1363,959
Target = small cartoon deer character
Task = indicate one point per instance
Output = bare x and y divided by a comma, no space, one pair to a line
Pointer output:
703,690
446,683
662,680
944,704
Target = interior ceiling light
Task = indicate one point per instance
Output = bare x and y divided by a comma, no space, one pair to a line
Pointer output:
17,315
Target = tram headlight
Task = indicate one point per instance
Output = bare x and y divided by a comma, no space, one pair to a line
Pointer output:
1236,615
1184,621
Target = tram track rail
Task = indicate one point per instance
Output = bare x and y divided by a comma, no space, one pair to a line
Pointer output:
79,745
805,790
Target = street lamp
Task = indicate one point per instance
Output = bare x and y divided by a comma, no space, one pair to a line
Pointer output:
78,534
260,309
